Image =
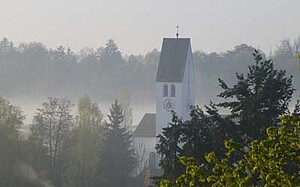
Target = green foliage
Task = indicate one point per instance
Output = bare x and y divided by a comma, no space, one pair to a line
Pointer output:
52,126
169,148
11,147
258,98
10,120
256,101
88,114
84,145
205,132
273,161
118,158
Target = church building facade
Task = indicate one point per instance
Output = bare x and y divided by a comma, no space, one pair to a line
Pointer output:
175,91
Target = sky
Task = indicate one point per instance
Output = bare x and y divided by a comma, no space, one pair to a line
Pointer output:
138,26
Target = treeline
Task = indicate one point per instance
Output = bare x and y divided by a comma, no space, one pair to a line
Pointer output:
66,150
32,69
256,144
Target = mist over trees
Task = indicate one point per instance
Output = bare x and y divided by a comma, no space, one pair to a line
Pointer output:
33,70
64,150
82,149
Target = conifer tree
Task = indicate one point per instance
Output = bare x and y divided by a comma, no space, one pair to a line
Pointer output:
272,161
205,132
259,98
169,148
256,101
117,159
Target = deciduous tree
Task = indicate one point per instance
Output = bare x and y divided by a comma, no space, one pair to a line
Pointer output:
11,147
84,145
52,125
273,161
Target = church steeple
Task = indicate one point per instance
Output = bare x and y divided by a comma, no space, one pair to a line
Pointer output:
177,32
175,91
175,81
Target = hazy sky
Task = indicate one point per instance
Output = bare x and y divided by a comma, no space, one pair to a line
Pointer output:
138,26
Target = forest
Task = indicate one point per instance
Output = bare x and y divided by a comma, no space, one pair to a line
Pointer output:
89,148
67,150
32,70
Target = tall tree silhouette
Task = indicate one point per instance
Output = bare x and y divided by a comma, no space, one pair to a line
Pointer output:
118,158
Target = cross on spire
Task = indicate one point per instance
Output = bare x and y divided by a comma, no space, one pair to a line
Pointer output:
177,33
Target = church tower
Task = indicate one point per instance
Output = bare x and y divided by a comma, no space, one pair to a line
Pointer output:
175,82
175,91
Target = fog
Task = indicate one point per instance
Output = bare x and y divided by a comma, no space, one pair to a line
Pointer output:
75,90
29,107
77,77
32,72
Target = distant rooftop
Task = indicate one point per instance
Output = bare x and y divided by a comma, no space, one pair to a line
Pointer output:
146,127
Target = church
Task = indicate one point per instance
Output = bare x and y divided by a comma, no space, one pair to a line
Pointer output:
175,91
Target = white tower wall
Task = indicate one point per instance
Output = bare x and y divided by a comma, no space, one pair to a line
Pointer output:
188,88
163,116
184,99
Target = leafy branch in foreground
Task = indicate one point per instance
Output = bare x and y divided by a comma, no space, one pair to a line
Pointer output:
273,161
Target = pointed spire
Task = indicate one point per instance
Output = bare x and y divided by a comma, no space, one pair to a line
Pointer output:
177,33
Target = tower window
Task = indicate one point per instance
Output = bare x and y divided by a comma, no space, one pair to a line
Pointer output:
165,91
173,90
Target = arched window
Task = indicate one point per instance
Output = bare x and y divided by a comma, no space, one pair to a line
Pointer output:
173,90
165,91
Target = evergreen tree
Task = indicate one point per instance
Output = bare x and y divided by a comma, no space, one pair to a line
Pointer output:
117,159
5,45
256,101
259,98
169,148
110,56
272,161
205,132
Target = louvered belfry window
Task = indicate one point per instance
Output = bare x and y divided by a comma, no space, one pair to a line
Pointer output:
173,90
165,91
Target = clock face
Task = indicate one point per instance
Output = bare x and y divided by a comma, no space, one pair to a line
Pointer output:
169,104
